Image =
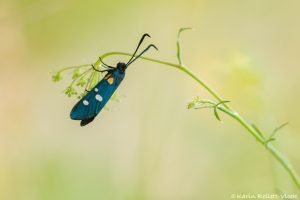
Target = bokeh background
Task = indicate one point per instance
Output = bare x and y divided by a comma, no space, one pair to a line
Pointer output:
148,146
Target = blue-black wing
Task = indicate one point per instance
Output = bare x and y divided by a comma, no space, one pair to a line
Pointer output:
93,102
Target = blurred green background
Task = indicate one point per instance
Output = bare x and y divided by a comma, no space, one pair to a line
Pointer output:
148,146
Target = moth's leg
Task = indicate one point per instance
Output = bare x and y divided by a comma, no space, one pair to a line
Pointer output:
108,66
97,70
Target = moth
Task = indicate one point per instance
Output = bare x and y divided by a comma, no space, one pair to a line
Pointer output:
92,103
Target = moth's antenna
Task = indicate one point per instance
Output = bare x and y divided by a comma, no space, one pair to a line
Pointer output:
141,40
136,57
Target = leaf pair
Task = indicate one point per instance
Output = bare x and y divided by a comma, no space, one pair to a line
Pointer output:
198,103
272,135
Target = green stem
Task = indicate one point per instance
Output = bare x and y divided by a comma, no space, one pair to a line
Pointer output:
271,148
74,67
181,67
225,108
80,76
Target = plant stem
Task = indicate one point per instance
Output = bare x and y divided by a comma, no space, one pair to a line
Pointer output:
271,148
225,108
74,67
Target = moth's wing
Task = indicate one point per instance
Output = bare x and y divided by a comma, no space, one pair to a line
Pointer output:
93,102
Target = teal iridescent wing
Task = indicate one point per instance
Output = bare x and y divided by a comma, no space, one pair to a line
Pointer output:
93,102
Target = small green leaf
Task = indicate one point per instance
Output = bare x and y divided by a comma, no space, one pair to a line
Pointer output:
81,95
216,109
216,114
181,30
70,91
76,74
178,44
270,140
257,130
278,129
81,82
191,105
56,77
198,103
222,102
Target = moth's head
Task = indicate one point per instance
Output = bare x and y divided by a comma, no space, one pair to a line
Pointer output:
121,67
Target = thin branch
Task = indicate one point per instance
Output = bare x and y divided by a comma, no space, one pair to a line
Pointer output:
225,108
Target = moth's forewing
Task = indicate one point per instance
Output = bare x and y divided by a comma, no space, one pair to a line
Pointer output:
93,102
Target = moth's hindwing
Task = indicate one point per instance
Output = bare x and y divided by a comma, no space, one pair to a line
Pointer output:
93,102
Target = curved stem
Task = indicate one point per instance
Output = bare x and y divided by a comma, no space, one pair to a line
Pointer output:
181,67
225,108
271,148
74,67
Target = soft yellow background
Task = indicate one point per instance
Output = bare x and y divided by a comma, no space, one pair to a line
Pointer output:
148,146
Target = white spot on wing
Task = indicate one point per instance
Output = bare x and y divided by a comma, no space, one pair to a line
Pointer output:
85,102
96,90
98,97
